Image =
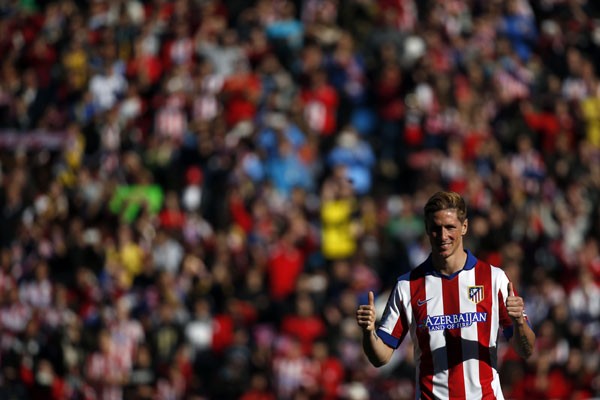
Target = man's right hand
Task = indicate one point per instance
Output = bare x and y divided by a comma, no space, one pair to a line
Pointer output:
375,349
365,315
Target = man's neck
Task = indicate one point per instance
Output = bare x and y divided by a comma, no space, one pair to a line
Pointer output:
450,265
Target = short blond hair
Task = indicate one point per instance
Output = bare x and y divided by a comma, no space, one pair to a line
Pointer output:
446,200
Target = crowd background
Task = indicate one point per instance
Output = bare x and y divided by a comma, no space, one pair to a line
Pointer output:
197,194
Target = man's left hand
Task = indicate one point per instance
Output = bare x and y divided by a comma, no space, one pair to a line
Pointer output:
515,306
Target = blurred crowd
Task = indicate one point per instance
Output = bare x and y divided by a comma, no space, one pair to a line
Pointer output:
196,194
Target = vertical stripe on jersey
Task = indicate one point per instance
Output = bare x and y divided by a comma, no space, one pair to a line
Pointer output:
470,337
483,276
504,319
456,378
424,358
437,339
401,328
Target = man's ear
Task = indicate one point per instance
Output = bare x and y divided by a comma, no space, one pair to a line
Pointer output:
465,227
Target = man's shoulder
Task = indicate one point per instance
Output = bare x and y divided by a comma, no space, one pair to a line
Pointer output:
415,273
480,263
496,272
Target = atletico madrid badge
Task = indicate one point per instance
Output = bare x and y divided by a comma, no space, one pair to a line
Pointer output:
476,293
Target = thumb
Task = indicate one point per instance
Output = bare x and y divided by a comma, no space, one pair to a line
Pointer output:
371,298
511,289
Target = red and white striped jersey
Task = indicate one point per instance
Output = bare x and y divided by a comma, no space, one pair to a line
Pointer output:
453,322
104,371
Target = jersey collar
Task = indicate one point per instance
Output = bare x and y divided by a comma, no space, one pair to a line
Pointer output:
469,264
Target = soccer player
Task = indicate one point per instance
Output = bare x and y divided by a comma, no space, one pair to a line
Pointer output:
453,305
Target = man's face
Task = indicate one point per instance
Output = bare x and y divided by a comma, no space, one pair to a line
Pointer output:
445,232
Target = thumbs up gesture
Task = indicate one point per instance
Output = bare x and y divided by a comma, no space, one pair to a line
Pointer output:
365,314
515,306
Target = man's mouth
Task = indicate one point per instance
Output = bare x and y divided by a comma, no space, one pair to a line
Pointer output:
444,246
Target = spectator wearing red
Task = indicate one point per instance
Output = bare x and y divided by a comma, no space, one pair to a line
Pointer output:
304,323
388,89
284,265
329,370
172,216
42,57
223,332
548,123
144,65
400,14
240,94
321,101
259,388
239,211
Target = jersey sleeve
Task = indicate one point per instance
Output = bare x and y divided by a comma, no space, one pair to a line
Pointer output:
394,321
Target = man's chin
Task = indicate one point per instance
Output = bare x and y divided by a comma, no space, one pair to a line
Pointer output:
444,253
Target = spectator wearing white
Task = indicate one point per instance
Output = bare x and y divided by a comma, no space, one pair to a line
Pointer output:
584,298
127,333
200,329
106,370
38,291
167,252
107,87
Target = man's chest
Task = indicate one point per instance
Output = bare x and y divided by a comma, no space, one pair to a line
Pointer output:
439,304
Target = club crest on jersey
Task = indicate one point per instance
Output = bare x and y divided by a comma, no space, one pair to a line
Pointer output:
475,293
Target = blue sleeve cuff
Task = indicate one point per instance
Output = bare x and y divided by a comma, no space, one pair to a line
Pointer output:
388,339
509,330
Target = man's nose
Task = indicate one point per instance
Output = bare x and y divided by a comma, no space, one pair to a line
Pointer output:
445,233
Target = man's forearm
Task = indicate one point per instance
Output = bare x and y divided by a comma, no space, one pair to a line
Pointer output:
376,351
523,339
